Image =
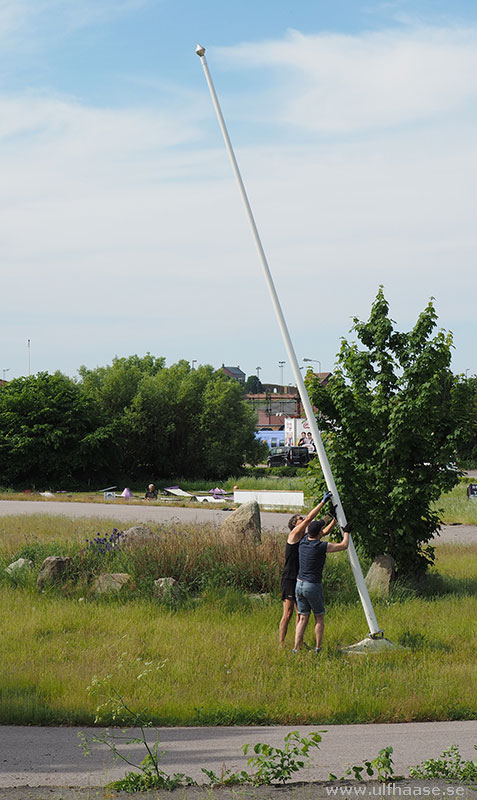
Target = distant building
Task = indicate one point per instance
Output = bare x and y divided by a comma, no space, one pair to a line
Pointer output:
271,407
277,402
235,373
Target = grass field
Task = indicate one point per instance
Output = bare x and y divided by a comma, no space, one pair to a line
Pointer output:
213,659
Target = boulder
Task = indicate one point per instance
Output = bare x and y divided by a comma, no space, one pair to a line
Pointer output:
18,565
139,536
381,575
244,523
166,587
110,582
52,569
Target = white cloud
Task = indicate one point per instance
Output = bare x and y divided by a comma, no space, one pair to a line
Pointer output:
121,231
349,83
20,19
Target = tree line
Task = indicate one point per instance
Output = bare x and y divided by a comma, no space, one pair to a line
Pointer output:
130,420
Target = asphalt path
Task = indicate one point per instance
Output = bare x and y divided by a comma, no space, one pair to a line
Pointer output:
52,756
143,513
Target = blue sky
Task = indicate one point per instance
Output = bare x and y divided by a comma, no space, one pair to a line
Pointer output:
122,229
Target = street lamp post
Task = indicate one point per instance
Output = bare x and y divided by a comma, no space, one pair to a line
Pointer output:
375,632
315,360
258,372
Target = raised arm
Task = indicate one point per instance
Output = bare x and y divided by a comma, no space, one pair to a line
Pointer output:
298,531
335,547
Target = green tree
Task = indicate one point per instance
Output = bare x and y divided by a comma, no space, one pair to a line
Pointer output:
464,404
253,385
175,421
116,385
51,433
387,414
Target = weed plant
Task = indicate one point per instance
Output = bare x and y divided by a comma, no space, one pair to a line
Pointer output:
450,766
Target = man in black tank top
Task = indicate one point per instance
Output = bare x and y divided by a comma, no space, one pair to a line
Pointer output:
297,525
309,588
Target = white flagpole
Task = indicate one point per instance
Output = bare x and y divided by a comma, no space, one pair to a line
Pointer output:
374,629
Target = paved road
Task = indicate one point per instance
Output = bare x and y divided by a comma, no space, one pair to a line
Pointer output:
52,757
271,520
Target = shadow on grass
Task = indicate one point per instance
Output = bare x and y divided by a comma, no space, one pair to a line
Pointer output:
437,585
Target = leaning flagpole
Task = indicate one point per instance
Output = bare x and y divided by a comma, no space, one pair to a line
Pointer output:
374,630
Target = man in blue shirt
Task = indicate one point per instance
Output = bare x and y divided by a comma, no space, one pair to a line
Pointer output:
312,553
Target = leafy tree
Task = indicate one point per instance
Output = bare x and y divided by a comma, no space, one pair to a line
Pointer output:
227,428
50,432
464,404
116,385
387,414
253,385
175,420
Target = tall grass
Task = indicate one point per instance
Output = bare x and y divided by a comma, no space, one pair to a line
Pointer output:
196,556
218,645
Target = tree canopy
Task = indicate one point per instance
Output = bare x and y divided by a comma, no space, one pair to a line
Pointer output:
50,430
133,419
253,385
464,406
390,431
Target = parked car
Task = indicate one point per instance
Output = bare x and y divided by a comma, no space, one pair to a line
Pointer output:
288,456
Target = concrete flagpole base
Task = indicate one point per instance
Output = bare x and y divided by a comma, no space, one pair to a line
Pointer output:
370,644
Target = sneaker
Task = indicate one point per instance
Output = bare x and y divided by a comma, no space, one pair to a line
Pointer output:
317,650
294,651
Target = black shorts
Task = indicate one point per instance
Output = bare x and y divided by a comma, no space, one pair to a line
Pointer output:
288,588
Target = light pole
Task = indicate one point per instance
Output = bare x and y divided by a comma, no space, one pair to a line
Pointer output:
4,371
194,361
28,354
375,632
258,372
315,360
281,364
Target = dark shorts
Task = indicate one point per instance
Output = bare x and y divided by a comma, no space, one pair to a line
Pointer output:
309,597
288,589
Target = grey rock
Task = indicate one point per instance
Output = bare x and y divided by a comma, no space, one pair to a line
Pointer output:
244,523
163,587
139,536
18,565
52,569
381,575
110,582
